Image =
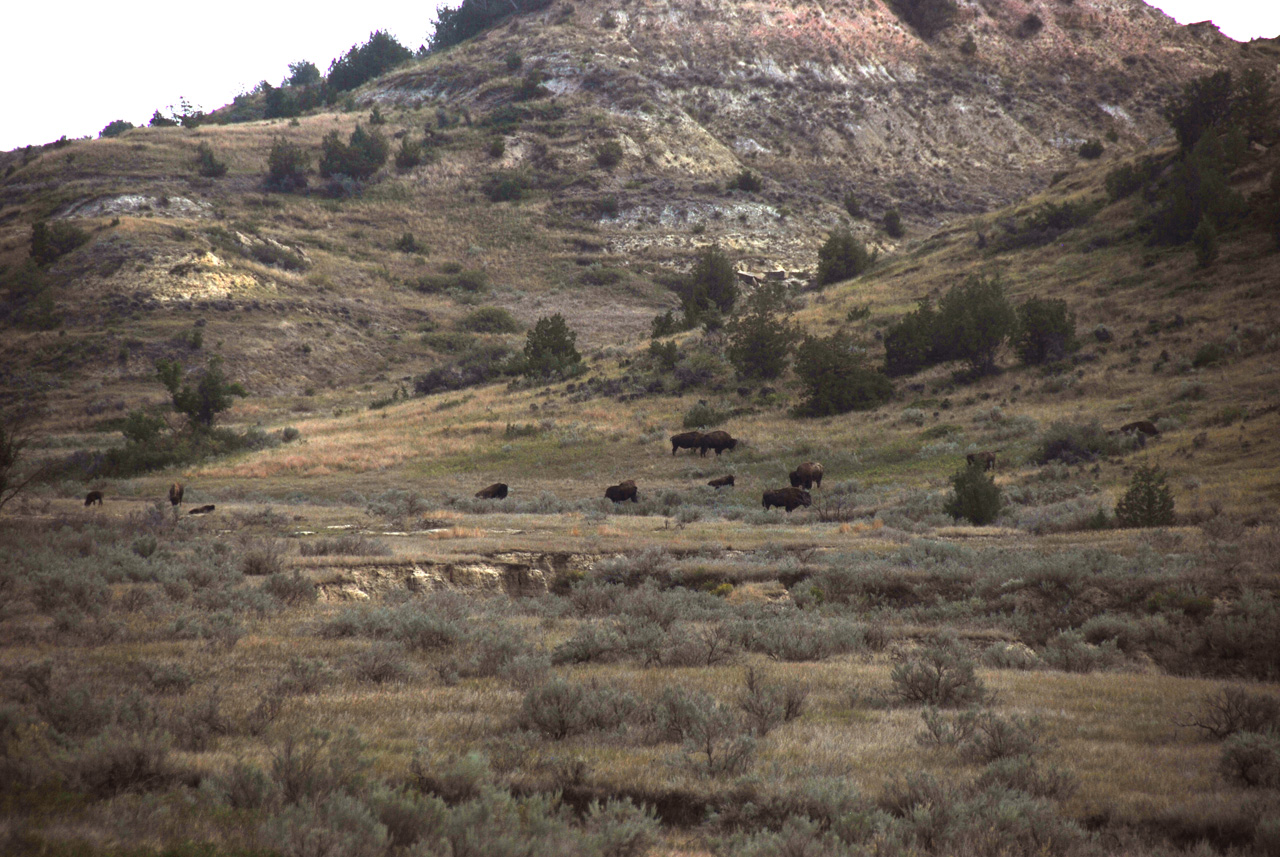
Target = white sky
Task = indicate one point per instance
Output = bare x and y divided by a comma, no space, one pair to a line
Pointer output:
123,60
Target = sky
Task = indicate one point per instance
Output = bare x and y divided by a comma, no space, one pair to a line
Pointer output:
97,62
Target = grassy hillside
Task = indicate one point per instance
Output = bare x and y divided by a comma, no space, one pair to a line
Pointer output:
352,654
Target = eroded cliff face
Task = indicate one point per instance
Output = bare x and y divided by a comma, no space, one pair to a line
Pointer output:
823,98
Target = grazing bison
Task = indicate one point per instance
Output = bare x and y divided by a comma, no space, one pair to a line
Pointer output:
722,482
807,475
789,498
175,493
1142,427
621,492
496,491
717,440
985,458
686,440
201,510
93,497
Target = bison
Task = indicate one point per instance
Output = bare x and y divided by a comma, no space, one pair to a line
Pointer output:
807,475
93,497
1145,427
496,491
622,492
789,498
985,458
717,440
686,440
722,482
201,510
175,493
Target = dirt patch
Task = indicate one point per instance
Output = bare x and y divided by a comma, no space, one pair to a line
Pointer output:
516,574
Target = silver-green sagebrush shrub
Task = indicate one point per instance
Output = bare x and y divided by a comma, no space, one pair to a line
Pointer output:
941,674
1251,759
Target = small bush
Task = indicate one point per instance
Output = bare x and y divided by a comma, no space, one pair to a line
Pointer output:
1234,709
292,589
842,257
1205,239
50,242
718,743
262,557
490,319
115,128
975,496
360,157
412,153
207,164
1252,760
116,762
746,181
348,544
942,675
893,223
702,416
1091,150
767,705
1148,502
1069,652
287,166
609,155
559,709
506,186
619,828
1046,331
1074,443
1024,774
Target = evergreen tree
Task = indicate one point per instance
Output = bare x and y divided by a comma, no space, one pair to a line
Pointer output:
842,257
908,345
550,348
975,496
210,395
834,374
711,289
974,321
364,62
1046,331
1148,502
760,341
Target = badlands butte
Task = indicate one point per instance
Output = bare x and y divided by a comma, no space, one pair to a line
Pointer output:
948,251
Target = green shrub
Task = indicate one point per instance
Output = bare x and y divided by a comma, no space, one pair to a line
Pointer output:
842,257
1251,760
974,320
1091,150
892,223
1127,179
50,242
909,344
619,828
1203,105
760,341
360,157
550,349
1024,774
717,742
1205,237
361,63
209,396
412,153
1069,652
513,60
710,288
768,705
115,128
1073,443
262,557
942,674
702,416
118,761
609,154
1234,709
1209,354
851,204
292,589
1148,502
833,373
506,186
490,319
287,166
746,181
975,496
1045,332
559,709
207,164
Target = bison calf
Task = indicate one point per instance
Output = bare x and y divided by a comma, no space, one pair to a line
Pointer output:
686,440
722,482
622,492
789,498
807,475
986,459
93,497
496,491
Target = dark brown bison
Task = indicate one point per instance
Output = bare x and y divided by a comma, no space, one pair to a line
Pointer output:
175,493
496,491
807,475
201,510
686,440
93,497
985,458
722,482
621,492
1141,426
717,440
789,498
